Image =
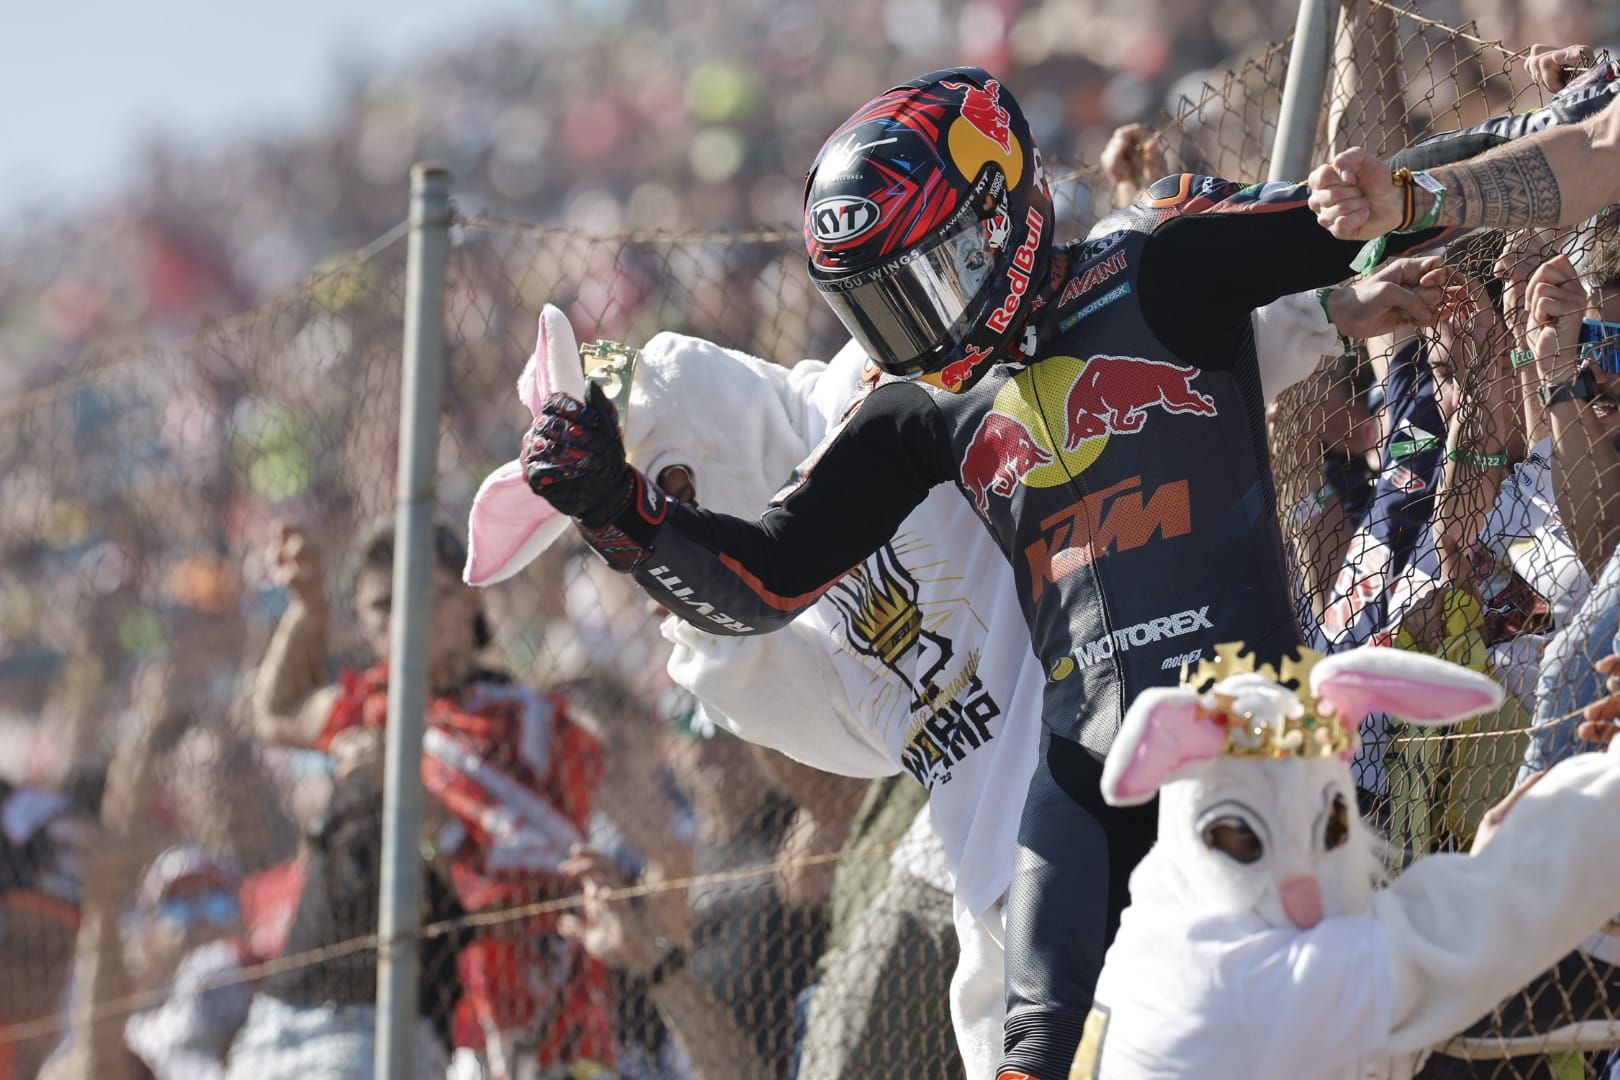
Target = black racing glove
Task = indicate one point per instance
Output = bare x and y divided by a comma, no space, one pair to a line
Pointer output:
573,457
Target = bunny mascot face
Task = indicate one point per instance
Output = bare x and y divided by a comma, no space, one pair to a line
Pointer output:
1255,900
1283,841
1257,809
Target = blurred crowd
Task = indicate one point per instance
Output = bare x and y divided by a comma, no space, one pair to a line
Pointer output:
202,430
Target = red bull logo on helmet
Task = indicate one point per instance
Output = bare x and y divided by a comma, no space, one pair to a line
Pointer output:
1050,422
982,109
983,133
1023,263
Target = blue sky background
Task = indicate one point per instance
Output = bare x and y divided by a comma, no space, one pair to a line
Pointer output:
86,83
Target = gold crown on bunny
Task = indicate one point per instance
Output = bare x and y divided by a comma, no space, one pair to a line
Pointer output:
1270,734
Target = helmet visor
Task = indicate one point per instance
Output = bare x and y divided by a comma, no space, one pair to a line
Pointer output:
906,315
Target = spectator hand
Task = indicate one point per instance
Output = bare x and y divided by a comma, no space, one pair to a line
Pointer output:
358,750
628,937
1601,719
573,457
1551,67
295,564
1521,254
1406,292
1555,300
1354,196
1133,158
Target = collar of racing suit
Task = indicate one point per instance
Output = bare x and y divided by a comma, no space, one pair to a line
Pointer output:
1036,317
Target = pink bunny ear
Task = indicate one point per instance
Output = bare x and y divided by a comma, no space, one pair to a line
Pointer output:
1164,730
508,528
509,525
1419,689
554,366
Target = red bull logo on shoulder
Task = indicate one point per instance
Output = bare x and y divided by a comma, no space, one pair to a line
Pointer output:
1051,421
954,374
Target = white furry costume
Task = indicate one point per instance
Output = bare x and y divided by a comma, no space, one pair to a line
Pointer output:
1293,964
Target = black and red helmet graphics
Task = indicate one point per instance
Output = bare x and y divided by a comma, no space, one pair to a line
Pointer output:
918,218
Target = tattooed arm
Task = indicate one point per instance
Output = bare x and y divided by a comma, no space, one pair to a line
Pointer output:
1560,176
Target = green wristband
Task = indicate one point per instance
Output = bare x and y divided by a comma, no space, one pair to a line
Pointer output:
1401,448
1472,457
1370,255
1520,357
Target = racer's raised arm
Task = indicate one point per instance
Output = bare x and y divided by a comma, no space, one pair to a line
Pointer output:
1219,250
726,574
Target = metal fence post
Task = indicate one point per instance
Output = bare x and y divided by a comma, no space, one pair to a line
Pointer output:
400,902
1303,89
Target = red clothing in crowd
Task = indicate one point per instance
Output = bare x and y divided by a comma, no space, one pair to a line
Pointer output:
518,778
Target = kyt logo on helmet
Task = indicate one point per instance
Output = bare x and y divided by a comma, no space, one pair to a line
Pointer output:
842,218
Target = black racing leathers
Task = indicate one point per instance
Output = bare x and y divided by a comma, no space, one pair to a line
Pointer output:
1123,470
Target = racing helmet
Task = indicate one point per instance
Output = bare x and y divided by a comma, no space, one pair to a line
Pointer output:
928,222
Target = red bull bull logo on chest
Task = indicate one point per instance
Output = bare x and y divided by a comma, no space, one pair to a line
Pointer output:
1051,421
954,374
1113,394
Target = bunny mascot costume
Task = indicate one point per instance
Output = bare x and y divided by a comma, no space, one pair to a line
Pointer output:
1258,943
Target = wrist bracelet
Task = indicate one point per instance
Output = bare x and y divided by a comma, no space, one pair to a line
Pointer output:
1402,178
1473,457
1370,255
1433,187
1520,357
1401,448
1347,346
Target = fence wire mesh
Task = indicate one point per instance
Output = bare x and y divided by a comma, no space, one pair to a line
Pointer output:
191,822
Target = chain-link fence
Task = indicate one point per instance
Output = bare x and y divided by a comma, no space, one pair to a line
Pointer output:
191,563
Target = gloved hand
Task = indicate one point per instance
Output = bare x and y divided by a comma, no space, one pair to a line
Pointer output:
573,457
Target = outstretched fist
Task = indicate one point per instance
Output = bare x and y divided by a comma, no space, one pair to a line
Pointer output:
294,562
1354,196
573,457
